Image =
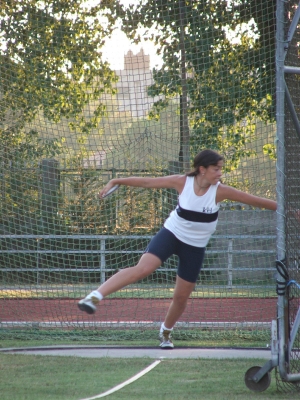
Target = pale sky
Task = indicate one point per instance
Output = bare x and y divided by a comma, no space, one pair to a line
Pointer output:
119,45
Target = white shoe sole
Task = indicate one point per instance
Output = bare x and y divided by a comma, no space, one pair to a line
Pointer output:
83,306
166,345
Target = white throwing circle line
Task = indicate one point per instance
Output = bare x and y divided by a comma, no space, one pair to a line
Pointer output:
121,385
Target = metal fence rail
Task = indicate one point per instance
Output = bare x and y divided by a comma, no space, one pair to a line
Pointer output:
103,251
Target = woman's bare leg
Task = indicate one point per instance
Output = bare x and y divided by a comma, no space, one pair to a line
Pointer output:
182,292
148,263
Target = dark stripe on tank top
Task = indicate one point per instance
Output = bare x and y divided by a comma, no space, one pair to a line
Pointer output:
195,216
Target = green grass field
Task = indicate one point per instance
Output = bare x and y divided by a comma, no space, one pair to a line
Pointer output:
135,337
73,378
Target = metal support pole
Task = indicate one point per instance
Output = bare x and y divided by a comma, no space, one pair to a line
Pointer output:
282,304
185,134
292,111
102,260
280,98
229,266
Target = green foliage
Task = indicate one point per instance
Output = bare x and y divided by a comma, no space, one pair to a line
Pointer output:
49,61
270,150
227,80
50,66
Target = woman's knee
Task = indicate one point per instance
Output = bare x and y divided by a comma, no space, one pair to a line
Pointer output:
147,264
139,271
183,290
181,298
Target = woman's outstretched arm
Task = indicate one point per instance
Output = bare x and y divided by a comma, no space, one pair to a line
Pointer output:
229,193
170,181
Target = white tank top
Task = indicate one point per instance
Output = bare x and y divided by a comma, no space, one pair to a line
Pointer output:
195,218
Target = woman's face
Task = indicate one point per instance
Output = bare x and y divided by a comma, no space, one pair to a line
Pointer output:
212,173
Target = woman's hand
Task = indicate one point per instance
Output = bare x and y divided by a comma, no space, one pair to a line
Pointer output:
106,188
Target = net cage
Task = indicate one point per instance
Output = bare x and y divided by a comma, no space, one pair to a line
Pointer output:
291,196
89,92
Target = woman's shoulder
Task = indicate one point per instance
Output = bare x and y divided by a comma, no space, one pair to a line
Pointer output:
222,188
175,181
181,179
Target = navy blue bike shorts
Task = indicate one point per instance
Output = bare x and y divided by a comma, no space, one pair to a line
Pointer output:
165,243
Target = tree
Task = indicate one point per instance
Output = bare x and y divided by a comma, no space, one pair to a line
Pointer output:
50,65
51,58
227,82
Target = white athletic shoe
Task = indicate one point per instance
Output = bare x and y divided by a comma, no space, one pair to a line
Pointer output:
165,340
88,304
